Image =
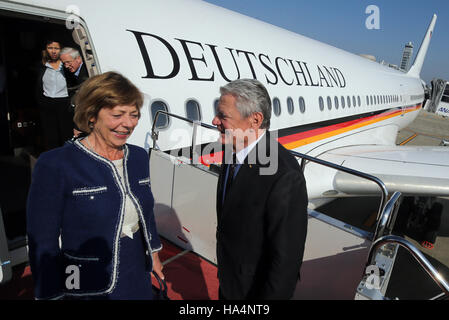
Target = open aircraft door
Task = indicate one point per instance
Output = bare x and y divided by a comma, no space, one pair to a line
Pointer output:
5,260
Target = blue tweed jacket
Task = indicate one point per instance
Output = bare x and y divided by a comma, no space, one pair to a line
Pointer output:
78,195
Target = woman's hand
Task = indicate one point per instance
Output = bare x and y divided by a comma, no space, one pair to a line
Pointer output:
157,265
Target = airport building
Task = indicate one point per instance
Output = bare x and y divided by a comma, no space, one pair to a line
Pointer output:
406,56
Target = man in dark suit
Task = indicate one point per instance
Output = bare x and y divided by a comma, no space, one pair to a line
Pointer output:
261,200
76,75
73,63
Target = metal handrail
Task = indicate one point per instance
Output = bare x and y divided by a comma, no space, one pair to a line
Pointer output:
154,135
418,255
387,214
383,188
384,191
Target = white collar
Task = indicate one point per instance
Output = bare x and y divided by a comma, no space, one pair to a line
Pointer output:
242,154
47,64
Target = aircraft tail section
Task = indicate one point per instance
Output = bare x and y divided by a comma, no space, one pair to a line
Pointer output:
415,70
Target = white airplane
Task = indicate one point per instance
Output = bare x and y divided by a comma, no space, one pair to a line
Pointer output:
328,104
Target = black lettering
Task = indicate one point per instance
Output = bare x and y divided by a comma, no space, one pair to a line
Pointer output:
247,53
299,72
337,71
220,67
146,57
332,77
279,70
322,77
191,60
269,69
310,77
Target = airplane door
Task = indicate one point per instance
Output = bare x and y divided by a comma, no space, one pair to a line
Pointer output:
79,35
4,112
5,260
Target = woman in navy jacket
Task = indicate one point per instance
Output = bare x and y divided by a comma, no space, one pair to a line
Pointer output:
91,227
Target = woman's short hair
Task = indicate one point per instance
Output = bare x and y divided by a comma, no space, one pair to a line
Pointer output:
106,90
251,96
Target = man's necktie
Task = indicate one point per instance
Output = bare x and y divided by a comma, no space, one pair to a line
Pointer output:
231,170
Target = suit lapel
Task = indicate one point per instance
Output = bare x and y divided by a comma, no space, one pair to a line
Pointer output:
246,175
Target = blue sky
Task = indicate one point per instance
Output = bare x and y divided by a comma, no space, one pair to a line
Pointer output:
341,23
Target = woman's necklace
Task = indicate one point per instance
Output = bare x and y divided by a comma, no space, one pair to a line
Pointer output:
89,145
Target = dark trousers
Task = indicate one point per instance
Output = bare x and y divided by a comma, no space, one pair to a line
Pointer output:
56,121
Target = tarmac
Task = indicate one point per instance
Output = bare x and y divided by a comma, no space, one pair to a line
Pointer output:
428,129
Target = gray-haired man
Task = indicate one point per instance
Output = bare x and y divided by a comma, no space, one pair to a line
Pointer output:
73,62
261,214
77,74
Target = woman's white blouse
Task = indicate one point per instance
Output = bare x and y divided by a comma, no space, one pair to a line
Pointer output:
131,218
54,82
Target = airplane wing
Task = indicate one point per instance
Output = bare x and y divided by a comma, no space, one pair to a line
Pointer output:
412,170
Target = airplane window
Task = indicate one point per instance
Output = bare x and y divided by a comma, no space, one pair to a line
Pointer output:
353,101
349,101
329,103
276,107
193,110
336,102
342,102
162,120
359,101
290,105
371,100
321,103
367,100
302,105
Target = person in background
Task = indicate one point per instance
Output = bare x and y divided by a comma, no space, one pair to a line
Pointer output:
53,97
73,62
261,200
76,74
94,194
